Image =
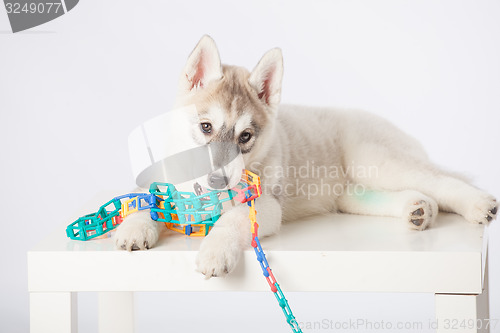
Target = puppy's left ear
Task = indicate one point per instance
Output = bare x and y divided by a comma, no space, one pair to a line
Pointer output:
203,65
266,77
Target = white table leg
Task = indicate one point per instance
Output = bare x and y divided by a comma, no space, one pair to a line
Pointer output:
455,313
116,312
53,312
483,304
464,313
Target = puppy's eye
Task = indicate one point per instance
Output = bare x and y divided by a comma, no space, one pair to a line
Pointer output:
206,128
245,137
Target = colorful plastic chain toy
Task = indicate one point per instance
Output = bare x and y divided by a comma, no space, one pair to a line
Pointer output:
185,212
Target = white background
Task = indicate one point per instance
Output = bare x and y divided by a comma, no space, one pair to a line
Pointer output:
72,90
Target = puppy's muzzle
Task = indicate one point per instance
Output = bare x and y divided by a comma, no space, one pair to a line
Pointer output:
217,181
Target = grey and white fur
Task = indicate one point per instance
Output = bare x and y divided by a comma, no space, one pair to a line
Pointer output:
311,161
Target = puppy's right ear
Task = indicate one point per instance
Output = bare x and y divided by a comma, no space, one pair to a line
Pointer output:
266,77
203,66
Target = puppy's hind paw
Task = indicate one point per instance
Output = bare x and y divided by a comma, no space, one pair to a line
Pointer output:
421,213
483,210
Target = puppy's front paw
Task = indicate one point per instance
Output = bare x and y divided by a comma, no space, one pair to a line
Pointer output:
218,255
137,232
421,213
483,210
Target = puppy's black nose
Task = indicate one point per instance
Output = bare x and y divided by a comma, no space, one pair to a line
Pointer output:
217,182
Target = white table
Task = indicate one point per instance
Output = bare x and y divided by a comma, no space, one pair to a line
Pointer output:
321,253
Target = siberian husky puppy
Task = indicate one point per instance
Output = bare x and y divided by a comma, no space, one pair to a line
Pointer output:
311,161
